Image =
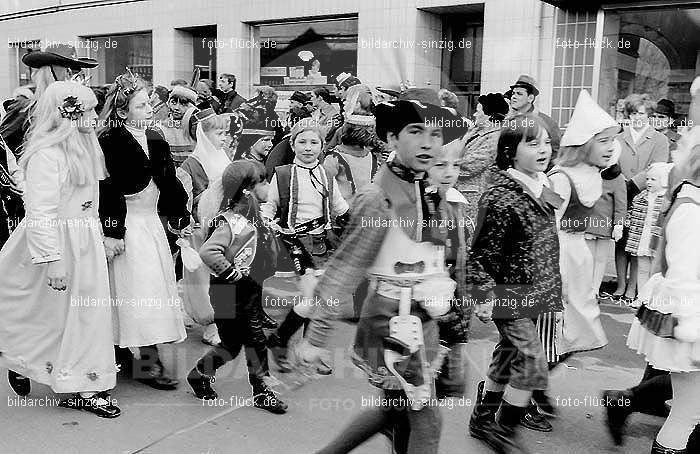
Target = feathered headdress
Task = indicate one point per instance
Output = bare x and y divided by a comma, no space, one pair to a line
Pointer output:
127,84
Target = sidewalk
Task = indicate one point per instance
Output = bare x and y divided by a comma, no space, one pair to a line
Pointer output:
319,407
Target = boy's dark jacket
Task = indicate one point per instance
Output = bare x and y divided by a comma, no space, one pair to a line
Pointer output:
515,251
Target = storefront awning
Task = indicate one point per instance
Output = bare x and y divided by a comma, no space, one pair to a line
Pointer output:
576,5
594,5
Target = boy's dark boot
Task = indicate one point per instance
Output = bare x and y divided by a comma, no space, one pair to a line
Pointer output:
484,414
20,384
544,403
265,398
201,384
505,438
534,420
616,414
500,435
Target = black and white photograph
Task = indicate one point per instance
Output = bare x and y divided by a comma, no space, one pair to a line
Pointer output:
349,226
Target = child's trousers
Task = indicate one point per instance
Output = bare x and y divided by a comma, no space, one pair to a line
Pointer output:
239,326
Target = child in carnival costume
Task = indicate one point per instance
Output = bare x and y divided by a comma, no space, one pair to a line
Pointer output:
396,237
237,251
55,316
303,206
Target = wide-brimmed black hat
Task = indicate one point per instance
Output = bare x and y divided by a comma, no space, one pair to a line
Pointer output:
391,90
396,115
58,55
666,107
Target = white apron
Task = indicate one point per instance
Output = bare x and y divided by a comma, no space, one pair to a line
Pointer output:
580,328
147,306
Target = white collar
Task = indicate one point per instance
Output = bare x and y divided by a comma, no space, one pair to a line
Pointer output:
308,167
136,132
453,195
690,191
535,185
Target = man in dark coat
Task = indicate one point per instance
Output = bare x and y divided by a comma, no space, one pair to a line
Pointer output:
231,99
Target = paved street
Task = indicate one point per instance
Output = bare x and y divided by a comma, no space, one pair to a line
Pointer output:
158,422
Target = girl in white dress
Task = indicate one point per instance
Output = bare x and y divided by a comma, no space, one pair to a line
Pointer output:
141,186
55,314
667,328
587,147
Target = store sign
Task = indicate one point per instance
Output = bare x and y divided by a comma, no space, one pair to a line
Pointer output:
296,72
273,71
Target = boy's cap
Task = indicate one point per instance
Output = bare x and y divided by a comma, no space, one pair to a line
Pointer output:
396,115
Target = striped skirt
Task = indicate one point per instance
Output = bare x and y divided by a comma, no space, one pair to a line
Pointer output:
547,330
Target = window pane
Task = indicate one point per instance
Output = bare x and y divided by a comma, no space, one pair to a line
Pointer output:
659,57
308,52
568,76
557,76
556,97
116,53
566,97
559,55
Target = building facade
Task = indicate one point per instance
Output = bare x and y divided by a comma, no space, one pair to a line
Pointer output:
467,46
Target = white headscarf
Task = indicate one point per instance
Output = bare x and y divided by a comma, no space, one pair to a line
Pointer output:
213,160
210,202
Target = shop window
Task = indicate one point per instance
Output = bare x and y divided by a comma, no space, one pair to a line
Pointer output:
310,52
117,52
461,65
655,52
24,72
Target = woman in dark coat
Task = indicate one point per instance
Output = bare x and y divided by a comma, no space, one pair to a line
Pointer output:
480,149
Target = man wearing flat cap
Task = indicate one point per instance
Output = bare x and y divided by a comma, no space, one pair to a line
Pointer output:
180,128
522,101
395,241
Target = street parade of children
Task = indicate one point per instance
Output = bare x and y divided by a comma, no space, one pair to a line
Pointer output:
170,217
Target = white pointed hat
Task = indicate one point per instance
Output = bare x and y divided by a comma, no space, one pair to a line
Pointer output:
587,120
